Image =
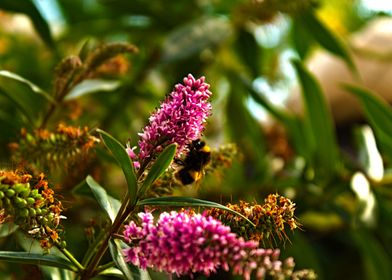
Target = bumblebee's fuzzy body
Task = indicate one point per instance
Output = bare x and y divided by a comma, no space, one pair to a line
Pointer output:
196,159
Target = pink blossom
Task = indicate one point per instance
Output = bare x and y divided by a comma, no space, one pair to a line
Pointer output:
180,118
186,243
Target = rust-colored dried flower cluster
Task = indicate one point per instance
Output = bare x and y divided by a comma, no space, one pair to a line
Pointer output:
270,218
30,203
47,149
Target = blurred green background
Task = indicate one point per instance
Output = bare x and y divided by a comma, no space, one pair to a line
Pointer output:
257,56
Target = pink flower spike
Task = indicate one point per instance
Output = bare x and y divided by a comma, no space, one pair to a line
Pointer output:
180,118
185,243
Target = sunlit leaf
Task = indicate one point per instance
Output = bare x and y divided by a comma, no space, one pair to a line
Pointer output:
123,160
91,86
7,229
379,114
106,203
37,259
160,165
112,272
33,88
325,37
181,201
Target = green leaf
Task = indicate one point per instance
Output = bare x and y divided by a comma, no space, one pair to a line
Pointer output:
379,114
83,189
181,201
118,258
33,88
91,86
20,104
108,204
325,37
376,260
318,122
51,273
249,51
160,165
123,160
112,272
28,8
36,259
302,40
7,229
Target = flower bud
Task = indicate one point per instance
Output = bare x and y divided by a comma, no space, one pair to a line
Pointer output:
20,202
10,193
23,213
30,200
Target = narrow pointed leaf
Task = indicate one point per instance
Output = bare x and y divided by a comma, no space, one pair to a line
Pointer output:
319,121
160,165
20,104
379,114
123,160
112,272
91,86
34,88
325,37
188,202
106,202
118,258
128,271
36,259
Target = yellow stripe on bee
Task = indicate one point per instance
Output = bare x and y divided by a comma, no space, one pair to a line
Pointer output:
206,149
196,175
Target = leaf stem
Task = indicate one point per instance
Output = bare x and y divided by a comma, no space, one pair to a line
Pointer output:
122,214
70,257
104,266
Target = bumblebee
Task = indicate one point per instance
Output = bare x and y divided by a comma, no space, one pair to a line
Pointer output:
193,164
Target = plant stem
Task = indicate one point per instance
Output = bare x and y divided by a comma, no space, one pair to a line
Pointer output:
122,214
93,248
70,257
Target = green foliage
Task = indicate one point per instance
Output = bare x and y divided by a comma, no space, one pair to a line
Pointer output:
123,160
319,131
103,199
158,168
101,82
39,259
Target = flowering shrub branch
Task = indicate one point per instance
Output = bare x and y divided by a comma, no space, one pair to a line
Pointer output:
188,242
